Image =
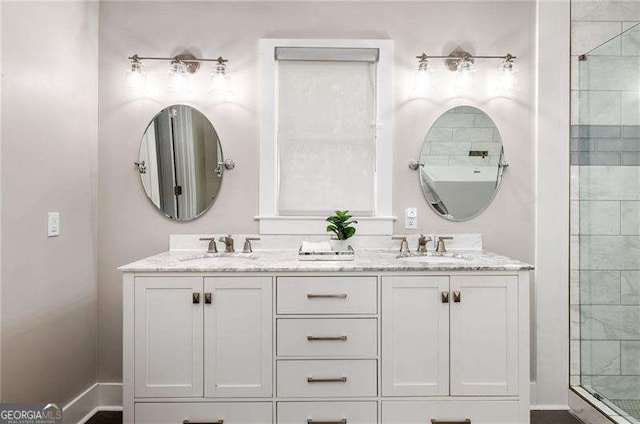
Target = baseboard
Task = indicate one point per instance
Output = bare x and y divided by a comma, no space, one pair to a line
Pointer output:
99,397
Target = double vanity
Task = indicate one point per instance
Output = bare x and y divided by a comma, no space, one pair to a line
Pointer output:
265,338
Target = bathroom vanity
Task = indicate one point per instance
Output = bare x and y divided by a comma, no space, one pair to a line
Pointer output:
265,338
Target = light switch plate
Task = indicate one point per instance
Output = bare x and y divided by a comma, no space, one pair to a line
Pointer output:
411,218
53,227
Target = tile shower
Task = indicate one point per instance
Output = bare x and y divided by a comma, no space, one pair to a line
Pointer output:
605,216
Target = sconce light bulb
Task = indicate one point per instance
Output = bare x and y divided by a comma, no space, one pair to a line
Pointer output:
136,76
423,78
464,76
507,78
178,76
220,81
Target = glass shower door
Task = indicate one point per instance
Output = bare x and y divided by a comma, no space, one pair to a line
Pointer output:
605,224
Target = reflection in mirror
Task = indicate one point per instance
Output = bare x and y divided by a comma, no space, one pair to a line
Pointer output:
461,163
180,162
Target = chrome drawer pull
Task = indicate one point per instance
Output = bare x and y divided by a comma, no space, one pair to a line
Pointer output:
203,422
312,421
327,380
327,339
434,421
327,296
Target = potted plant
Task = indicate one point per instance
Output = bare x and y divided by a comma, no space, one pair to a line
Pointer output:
341,225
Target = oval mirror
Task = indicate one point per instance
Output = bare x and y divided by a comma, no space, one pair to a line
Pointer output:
461,163
180,162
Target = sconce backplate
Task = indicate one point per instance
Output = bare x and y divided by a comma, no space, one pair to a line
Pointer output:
456,57
189,60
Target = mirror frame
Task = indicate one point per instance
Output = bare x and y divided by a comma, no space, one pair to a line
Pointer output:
502,165
221,164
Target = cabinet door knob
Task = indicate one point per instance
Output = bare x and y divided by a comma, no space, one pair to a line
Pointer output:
445,297
457,296
208,298
195,298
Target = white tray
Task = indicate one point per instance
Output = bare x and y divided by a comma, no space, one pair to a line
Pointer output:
344,255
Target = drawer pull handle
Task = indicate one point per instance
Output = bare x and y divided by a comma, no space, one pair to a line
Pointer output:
434,421
327,296
327,380
208,298
312,421
327,339
445,297
203,422
195,298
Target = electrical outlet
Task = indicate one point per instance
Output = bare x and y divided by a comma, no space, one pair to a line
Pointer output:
411,218
53,227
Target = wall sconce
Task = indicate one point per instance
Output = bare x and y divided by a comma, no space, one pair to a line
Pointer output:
463,64
181,67
423,76
136,75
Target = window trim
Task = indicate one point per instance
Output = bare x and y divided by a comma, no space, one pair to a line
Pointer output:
381,223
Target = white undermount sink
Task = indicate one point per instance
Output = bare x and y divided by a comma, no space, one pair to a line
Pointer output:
432,259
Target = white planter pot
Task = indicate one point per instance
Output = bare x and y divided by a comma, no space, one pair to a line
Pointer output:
340,245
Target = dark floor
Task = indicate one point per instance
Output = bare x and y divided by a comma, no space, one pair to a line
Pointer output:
537,417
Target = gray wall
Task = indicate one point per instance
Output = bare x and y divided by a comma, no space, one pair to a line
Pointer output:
49,163
129,228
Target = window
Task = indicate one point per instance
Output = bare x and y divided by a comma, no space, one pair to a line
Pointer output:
325,134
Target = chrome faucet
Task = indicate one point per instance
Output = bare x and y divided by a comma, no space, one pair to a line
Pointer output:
247,244
422,243
228,243
441,248
213,247
404,245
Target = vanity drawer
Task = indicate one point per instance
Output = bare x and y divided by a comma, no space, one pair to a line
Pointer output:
327,295
328,337
479,412
227,412
327,378
327,412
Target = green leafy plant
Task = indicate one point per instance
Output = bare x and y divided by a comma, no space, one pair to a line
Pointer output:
341,225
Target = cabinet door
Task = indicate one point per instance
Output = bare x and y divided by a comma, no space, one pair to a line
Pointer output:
415,336
484,335
238,337
168,337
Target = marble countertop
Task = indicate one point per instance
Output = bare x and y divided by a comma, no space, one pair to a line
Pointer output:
366,260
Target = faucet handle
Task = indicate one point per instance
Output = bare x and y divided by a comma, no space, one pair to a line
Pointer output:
441,248
404,245
247,244
213,247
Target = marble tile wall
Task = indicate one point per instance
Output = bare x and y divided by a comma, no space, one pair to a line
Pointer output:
605,197
453,135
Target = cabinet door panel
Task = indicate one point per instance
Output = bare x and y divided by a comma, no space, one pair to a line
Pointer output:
168,337
415,336
484,335
238,337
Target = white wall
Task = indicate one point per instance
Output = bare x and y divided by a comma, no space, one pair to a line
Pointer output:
49,159
552,206
130,228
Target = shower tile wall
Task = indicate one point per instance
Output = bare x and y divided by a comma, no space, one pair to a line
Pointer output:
605,209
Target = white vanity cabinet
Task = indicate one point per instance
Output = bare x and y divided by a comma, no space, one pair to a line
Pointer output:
199,337
324,347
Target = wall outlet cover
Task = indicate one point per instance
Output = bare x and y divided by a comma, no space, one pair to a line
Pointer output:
411,218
